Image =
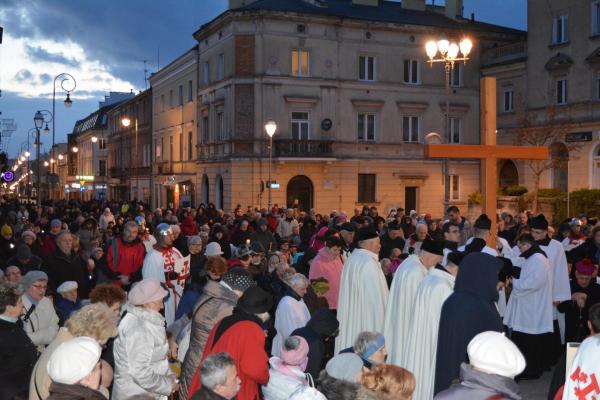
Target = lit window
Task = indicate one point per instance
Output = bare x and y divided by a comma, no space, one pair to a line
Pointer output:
454,187
300,59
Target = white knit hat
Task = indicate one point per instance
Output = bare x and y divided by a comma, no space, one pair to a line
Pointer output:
73,360
67,286
213,249
146,291
494,353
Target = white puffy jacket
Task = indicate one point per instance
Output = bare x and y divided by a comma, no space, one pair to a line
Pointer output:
284,380
141,356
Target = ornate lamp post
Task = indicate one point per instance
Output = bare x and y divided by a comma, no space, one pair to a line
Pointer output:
448,55
39,119
64,78
126,122
270,128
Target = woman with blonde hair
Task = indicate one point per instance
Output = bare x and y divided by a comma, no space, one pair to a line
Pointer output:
389,382
97,321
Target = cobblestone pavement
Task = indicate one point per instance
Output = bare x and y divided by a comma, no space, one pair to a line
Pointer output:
537,389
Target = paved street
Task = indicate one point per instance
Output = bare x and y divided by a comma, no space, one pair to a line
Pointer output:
538,389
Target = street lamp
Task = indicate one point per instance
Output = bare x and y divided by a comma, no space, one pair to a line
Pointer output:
71,85
448,55
74,149
126,122
270,128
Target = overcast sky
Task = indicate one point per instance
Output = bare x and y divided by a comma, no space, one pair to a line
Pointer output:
103,45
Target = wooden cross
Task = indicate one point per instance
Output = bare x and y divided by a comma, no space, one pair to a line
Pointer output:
488,152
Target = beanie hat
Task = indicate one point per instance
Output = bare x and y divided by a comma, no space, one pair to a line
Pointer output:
307,393
213,249
494,353
262,221
147,291
374,347
31,277
255,301
238,278
56,223
28,233
366,233
538,222
585,267
6,230
23,252
433,246
67,286
344,366
483,222
298,356
73,360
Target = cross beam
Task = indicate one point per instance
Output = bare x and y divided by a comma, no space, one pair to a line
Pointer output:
487,151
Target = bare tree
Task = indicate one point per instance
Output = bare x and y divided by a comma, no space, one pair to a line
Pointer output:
548,128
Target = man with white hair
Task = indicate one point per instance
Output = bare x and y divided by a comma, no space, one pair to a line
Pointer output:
363,291
285,224
291,312
105,219
219,378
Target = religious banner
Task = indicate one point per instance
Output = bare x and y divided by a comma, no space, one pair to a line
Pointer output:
182,267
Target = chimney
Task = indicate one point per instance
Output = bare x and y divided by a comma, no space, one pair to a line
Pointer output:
372,3
454,8
238,3
414,5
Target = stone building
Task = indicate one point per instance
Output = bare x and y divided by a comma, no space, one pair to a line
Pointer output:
551,81
130,149
174,131
348,85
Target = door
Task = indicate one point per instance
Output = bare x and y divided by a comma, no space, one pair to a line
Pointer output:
410,198
300,191
596,169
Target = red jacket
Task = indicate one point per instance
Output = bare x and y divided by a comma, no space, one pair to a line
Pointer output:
188,227
48,245
130,256
245,343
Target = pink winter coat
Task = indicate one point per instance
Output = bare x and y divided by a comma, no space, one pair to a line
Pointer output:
330,268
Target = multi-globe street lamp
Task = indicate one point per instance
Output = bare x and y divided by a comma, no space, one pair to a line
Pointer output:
39,119
270,128
448,55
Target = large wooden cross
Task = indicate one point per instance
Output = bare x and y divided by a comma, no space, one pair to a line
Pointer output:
488,152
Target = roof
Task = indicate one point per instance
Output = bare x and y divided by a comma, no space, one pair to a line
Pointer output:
387,11
96,120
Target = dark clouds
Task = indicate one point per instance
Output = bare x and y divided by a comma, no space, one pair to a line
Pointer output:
44,55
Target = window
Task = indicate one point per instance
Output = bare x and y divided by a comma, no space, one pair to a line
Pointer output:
454,187
101,167
366,68
162,147
162,102
101,143
456,75
206,73
560,29
561,91
157,148
454,126
411,71
205,127
190,146
190,90
508,96
366,127
221,67
596,17
410,128
300,125
171,98
598,86
180,95
366,188
300,60
171,148
220,126
181,146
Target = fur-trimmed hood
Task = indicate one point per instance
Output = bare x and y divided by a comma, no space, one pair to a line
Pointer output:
367,394
337,389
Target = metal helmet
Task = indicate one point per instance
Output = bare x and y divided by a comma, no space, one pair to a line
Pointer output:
576,222
163,229
140,220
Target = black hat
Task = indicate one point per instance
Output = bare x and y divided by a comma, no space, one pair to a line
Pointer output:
455,257
394,226
255,301
348,226
483,222
433,246
538,222
366,233
238,278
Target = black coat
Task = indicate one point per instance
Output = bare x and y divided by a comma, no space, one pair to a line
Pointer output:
576,328
588,249
18,357
33,264
61,268
470,310
388,244
206,394
59,391
321,326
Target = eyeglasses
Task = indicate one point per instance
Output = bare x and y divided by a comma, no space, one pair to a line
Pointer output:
40,287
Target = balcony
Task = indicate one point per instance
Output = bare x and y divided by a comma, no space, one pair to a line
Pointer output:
302,148
118,172
510,53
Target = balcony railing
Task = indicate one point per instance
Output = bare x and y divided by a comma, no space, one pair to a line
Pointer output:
302,148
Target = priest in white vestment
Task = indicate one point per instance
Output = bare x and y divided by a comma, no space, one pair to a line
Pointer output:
291,312
363,291
423,329
402,297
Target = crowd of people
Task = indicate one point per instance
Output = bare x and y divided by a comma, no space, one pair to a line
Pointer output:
107,300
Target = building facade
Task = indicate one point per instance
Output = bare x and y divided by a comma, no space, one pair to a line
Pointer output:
551,82
353,98
174,132
130,149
